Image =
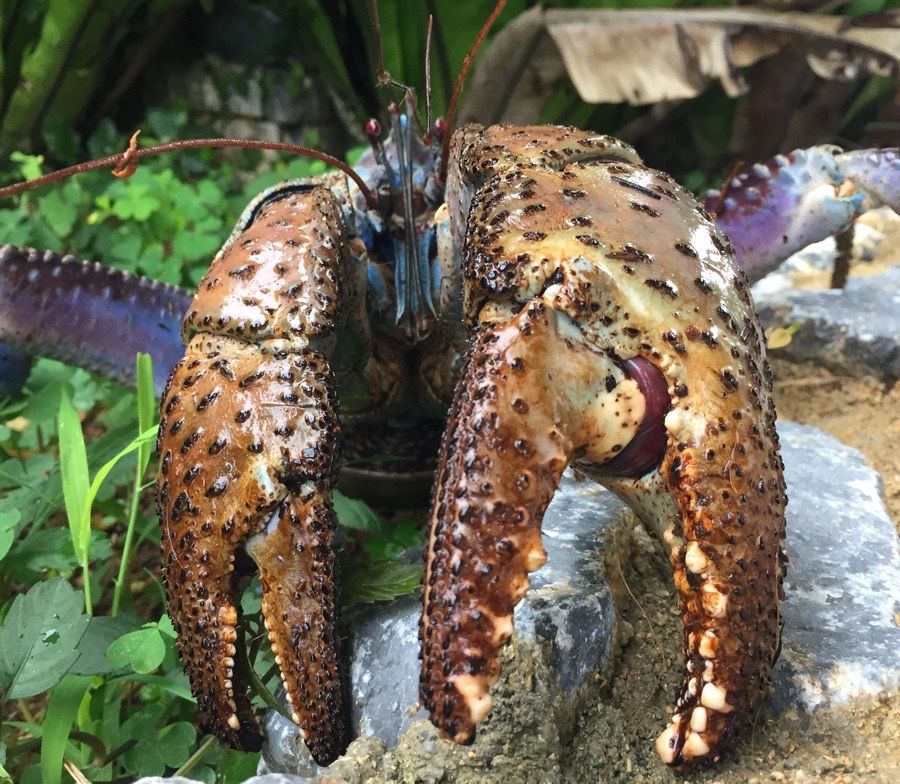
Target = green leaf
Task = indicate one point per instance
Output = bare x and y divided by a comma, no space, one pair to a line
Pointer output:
9,520
59,212
142,650
39,638
381,581
148,414
356,514
175,741
102,631
75,479
62,709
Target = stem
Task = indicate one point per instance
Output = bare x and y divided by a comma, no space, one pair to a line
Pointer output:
86,579
197,756
129,536
124,163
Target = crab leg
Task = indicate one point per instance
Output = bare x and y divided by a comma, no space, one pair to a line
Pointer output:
93,316
248,448
636,323
777,208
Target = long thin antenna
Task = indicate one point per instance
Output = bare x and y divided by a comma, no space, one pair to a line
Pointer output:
460,81
383,76
125,163
428,74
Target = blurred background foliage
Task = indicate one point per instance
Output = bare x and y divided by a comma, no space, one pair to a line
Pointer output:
76,78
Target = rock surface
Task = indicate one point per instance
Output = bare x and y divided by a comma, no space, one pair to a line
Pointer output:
855,330
841,636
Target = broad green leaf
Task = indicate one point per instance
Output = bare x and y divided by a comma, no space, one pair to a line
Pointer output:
381,581
142,650
9,520
174,683
356,514
75,479
102,631
39,638
175,741
62,709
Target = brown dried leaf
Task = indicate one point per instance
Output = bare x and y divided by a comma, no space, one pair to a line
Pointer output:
644,57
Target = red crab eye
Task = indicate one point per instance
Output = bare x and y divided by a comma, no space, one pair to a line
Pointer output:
439,128
372,128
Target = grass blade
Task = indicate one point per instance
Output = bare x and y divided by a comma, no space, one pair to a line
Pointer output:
75,481
62,709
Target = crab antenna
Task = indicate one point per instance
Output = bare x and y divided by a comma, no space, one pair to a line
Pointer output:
428,73
383,76
125,163
460,81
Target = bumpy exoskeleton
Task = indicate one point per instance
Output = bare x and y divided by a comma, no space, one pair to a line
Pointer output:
611,329
249,447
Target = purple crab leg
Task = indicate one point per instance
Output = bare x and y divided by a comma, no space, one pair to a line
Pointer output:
92,316
774,209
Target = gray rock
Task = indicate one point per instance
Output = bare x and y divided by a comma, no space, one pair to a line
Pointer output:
854,330
840,636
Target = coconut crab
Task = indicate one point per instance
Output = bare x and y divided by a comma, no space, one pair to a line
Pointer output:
569,303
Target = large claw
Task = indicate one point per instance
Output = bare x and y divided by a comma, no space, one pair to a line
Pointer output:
247,458
613,331
248,447
777,208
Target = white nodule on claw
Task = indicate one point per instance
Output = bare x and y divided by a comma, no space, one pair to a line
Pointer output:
535,558
709,671
695,559
277,659
715,603
714,697
228,615
234,722
694,746
503,628
295,717
708,644
289,699
665,744
228,662
698,720
472,690
693,686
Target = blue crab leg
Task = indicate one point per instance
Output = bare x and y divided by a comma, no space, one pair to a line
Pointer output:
89,315
774,209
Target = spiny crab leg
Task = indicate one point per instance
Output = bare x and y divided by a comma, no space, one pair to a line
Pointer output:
93,316
774,209
597,267
248,448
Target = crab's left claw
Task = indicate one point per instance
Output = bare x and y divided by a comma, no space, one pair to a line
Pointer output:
774,209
